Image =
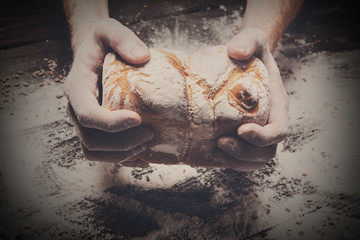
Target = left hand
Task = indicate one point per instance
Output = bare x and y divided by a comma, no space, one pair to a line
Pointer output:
256,144
105,135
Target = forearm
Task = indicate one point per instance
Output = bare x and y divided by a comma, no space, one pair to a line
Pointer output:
82,16
271,16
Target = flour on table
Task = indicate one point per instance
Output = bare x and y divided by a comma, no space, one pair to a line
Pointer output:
311,184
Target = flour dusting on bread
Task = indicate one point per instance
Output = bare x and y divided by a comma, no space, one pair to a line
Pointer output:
189,101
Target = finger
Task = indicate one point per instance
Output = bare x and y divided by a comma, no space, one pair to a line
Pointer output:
90,114
279,97
123,41
276,129
221,159
116,157
226,160
97,140
263,136
244,44
245,151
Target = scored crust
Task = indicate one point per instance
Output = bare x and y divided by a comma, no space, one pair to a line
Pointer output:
189,101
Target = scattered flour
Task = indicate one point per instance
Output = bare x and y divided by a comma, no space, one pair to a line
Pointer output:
320,153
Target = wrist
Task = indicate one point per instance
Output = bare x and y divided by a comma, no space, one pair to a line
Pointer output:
269,36
79,34
82,17
270,16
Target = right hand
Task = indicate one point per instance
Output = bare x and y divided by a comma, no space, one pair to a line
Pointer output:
255,145
105,135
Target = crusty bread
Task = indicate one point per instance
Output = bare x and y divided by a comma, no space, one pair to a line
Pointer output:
189,101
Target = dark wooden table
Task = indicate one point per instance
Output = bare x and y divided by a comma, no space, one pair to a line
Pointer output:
35,53
31,31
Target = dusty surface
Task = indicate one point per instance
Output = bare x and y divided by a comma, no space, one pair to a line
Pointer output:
310,190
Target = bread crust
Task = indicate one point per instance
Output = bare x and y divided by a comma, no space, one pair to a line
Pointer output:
189,101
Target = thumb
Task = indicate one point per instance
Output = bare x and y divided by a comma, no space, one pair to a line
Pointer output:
243,45
122,40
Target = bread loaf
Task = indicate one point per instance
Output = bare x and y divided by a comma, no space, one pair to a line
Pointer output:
189,101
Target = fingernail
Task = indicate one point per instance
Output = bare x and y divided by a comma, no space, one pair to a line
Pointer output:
231,146
239,52
227,145
241,48
138,51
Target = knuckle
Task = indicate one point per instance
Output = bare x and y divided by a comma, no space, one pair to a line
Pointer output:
68,86
82,119
283,132
107,27
87,154
88,145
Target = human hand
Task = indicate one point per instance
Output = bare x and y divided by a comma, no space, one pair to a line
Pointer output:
105,135
257,144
